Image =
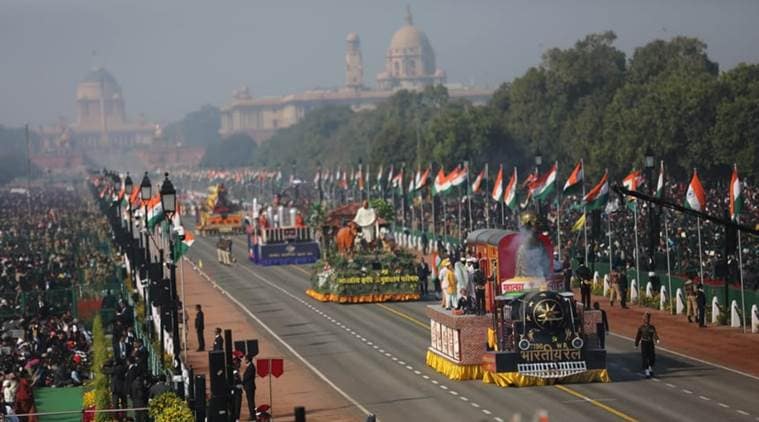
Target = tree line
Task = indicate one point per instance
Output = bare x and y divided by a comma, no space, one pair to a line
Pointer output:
588,102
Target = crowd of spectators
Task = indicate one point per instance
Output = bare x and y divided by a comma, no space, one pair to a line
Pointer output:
51,249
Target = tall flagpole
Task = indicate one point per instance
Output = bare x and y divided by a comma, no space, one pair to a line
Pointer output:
558,222
432,204
585,226
487,198
637,249
611,251
468,196
700,256
669,269
740,272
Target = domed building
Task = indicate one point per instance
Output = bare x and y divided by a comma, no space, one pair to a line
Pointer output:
410,60
409,64
101,114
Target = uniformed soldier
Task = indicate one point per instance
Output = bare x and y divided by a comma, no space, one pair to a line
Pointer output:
690,295
647,338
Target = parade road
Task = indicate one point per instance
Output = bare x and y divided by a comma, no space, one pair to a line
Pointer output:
374,354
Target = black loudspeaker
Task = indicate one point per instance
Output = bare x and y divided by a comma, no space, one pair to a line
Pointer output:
199,393
228,344
217,410
252,347
217,373
248,347
300,414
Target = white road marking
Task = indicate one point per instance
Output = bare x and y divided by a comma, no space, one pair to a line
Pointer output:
687,391
464,398
705,362
743,412
286,345
409,367
435,382
704,398
425,377
443,387
475,405
487,412
417,372
497,419
670,385
453,393
723,405
401,362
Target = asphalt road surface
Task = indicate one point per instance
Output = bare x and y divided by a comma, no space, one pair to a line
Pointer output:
375,354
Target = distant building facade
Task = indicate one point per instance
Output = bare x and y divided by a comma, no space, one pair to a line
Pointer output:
409,64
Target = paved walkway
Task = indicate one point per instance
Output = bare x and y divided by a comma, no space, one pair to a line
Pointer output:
721,345
297,387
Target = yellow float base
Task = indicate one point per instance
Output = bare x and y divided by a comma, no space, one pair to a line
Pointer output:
515,379
371,298
452,370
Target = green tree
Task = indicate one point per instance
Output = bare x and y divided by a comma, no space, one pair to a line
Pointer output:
237,150
197,128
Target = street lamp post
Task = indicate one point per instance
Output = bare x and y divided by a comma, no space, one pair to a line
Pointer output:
128,189
652,226
146,192
169,206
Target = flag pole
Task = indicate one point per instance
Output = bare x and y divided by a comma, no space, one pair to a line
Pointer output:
184,316
637,249
740,272
487,198
503,212
459,206
585,226
669,269
432,204
558,222
611,251
700,256
468,196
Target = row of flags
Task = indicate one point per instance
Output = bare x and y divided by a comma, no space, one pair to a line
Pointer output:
536,186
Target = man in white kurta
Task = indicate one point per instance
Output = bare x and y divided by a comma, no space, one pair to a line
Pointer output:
366,218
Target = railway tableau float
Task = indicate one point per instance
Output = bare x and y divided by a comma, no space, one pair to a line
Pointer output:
533,332
279,236
362,263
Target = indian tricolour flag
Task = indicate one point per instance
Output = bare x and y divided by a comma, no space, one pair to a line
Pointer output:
421,180
478,181
632,181
544,186
510,195
660,182
498,185
695,198
574,182
155,211
599,195
736,195
458,176
398,180
441,184
182,247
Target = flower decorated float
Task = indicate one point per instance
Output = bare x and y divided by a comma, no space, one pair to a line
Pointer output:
363,265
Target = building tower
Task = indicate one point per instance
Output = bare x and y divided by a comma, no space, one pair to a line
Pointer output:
354,65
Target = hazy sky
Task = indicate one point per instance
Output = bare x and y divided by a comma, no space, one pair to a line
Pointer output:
171,56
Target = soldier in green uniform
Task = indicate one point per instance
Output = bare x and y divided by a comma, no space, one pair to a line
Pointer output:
647,338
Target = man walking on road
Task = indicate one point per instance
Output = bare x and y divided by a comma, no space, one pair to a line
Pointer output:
200,325
646,337
602,327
